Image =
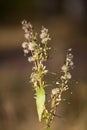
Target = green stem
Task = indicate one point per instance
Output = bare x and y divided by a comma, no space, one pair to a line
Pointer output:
48,128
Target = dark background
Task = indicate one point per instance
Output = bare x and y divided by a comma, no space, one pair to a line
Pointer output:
67,24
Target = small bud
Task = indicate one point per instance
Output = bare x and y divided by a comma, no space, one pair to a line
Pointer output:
26,51
64,68
31,46
57,83
71,64
30,59
68,75
24,44
55,91
70,49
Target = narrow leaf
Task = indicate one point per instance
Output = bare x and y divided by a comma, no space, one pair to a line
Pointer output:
40,102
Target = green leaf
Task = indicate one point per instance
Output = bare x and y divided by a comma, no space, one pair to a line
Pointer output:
40,102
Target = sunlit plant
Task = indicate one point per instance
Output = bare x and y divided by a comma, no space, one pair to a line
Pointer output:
36,48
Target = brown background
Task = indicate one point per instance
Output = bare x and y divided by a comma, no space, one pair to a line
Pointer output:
67,24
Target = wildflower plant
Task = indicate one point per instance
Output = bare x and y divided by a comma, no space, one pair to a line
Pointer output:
36,48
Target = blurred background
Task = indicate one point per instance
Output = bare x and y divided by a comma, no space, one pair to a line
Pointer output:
67,24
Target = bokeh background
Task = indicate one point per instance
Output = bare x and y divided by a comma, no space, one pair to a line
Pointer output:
67,24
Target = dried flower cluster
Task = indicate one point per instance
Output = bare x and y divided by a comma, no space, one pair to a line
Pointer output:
62,85
39,54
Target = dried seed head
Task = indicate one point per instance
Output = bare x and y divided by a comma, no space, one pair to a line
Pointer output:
44,35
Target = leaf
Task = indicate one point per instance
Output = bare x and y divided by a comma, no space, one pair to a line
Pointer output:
40,102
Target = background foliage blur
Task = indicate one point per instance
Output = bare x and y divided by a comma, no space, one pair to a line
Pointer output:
67,24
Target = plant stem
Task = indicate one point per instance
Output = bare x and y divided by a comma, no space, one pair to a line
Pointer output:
48,128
